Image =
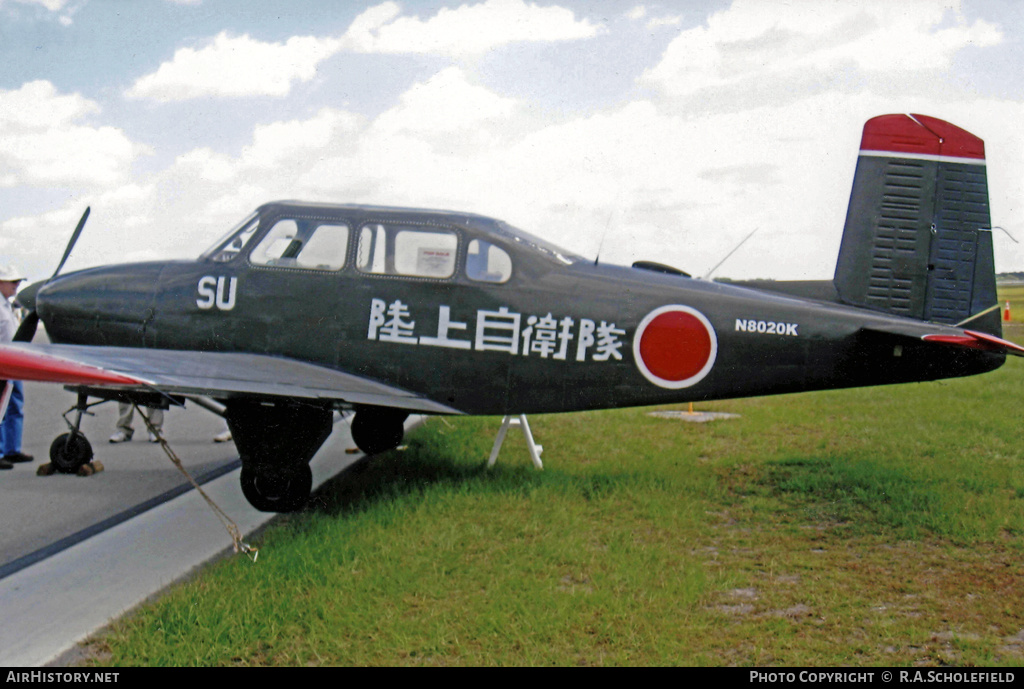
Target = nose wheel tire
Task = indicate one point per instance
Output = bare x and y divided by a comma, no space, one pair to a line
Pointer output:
281,487
69,452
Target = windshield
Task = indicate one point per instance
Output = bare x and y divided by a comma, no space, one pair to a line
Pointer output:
231,244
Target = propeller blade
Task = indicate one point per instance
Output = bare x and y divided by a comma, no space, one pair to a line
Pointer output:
71,244
27,329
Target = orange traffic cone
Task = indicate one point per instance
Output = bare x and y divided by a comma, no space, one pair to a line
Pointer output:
1006,314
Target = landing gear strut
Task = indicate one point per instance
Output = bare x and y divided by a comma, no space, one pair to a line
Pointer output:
276,442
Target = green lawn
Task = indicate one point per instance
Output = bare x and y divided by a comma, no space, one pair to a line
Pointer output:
880,526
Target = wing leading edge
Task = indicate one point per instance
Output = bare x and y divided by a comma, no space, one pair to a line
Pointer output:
212,374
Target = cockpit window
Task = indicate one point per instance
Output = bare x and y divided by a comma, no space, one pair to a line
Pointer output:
326,248
303,243
486,262
231,244
426,252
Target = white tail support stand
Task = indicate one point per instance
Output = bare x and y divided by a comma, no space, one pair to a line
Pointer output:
533,447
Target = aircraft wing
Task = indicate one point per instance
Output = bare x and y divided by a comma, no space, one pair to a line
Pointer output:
211,374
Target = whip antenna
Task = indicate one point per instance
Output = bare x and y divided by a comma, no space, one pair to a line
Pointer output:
730,254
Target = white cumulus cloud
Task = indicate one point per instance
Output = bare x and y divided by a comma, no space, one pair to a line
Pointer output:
238,66
51,5
43,140
466,30
799,47
235,66
444,104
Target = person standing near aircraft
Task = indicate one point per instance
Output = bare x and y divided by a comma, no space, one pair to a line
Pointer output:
12,401
125,431
224,436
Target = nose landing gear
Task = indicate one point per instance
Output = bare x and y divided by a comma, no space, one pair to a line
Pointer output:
70,451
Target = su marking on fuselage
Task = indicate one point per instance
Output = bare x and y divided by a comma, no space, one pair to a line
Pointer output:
217,291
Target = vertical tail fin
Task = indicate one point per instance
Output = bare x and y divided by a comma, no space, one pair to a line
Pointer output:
918,238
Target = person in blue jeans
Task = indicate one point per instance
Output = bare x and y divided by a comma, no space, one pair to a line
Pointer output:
10,429
13,419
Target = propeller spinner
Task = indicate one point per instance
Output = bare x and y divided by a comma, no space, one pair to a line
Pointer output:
27,296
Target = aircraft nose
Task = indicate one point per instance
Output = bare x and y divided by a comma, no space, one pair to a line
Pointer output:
27,297
109,305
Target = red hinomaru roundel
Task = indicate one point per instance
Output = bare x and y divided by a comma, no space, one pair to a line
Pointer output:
675,346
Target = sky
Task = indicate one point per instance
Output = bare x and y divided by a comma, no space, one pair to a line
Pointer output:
663,131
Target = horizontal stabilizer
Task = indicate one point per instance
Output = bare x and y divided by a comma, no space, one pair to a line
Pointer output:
976,340
937,334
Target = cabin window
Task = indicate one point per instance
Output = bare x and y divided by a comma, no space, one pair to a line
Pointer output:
486,262
372,253
301,243
408,251
428,254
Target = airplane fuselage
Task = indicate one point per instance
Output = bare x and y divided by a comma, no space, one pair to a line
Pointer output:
556,334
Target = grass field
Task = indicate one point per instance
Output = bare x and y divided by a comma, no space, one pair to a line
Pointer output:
880,526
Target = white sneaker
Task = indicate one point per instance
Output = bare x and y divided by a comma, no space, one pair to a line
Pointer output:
120,437
224,437
153,438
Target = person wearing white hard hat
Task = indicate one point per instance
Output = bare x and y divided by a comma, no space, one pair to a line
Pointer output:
13,397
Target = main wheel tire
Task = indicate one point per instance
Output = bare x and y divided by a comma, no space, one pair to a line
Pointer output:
376,433
69,452
277,487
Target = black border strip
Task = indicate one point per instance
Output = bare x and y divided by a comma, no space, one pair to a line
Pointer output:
18,564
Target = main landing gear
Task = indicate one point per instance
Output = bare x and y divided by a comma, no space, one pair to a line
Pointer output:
378,429
276,442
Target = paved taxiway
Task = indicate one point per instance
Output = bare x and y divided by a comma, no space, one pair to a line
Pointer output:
77,552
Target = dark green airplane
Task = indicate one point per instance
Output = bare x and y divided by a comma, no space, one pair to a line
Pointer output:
304,309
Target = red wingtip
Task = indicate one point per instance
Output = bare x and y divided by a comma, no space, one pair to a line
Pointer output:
21,364
920,135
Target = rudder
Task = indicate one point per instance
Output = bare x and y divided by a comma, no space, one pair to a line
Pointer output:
918,238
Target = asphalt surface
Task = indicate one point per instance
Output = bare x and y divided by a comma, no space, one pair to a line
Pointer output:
39,511
77,552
